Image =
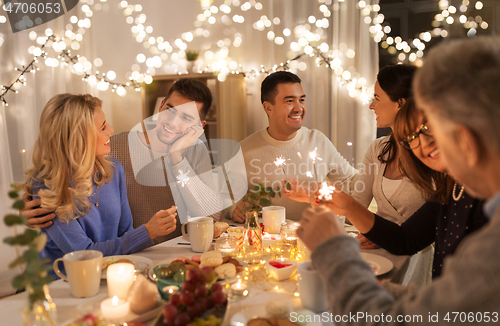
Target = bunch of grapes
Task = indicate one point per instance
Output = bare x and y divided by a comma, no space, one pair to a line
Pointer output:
194,298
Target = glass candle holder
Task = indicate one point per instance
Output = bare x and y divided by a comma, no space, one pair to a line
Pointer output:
289,233
285,251
252,240
227,246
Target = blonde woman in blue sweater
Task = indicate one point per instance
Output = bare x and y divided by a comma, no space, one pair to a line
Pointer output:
73,176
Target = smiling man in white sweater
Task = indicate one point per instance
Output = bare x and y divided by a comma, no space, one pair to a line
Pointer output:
283,100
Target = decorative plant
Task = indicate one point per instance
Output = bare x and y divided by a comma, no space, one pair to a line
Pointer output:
35,275
192,55
260,197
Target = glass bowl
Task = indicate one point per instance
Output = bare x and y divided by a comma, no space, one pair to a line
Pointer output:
169,275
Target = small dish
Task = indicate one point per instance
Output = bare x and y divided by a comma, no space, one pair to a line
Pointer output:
270,240
236,231
142,264
298,316
167,275
94,307
281,269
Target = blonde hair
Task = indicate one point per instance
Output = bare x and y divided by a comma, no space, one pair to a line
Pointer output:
64,156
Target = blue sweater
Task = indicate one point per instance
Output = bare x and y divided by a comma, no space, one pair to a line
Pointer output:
107,227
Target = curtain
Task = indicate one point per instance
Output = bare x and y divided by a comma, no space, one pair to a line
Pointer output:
353,125
6,178
19,120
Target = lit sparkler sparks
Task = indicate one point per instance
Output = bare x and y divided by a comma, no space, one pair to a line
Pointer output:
314,156
182,178
326,191
279,162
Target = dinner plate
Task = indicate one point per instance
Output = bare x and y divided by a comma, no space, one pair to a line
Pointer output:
379,264
350,228
242,317
151,272
94,307
136,260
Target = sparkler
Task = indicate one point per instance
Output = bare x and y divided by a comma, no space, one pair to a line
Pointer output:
314,156
280,161
326,191
182,178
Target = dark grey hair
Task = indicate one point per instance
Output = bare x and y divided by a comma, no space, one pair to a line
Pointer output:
460,82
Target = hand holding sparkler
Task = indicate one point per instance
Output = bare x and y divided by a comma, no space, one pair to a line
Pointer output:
298,190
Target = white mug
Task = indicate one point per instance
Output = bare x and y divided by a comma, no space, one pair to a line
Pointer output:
83,272
272,218
200,232
311,288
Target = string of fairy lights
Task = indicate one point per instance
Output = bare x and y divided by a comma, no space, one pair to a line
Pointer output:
412,50
172,54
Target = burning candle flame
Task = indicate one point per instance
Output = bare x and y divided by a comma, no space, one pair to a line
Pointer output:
115,300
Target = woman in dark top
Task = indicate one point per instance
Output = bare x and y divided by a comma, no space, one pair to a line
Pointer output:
449,214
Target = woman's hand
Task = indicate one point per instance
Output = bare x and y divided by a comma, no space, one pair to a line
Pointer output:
162,223
341,203
365,243
298,190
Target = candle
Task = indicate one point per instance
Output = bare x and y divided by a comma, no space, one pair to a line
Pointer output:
226,245
114,309
239,289
120,278
24,159
170,289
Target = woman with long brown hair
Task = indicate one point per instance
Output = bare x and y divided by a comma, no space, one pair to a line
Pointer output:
445,219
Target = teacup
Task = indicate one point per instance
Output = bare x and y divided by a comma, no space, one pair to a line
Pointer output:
272,218
311,288
83,272
200,233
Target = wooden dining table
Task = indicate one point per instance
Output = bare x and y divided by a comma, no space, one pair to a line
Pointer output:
69,308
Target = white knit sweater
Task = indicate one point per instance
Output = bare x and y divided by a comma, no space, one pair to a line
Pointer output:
260,150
